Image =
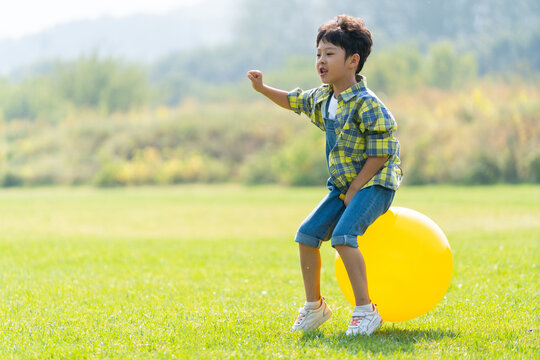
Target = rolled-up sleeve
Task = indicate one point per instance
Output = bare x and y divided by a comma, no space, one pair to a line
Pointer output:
379,126
301,101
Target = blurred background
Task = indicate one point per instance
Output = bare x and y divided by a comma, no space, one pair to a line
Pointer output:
154,92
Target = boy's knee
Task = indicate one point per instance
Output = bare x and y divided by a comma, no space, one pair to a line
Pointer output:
340,248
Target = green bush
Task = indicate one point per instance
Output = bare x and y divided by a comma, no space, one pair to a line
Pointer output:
477,135
10,180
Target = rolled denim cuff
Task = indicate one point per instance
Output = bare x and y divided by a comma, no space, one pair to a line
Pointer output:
348,240
308,240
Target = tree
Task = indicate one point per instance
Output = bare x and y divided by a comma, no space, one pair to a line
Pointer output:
106,84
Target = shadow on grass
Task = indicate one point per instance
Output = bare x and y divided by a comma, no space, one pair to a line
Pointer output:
384,341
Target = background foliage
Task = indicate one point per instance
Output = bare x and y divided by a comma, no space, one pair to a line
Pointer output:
464,92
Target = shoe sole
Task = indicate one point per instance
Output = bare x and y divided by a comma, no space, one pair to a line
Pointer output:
371,329
374,327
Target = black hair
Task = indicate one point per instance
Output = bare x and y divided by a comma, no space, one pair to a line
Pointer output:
349,33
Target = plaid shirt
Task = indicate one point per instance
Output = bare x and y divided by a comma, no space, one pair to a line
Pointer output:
364,128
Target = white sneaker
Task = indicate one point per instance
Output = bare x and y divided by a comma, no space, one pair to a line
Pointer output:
364,323
310,319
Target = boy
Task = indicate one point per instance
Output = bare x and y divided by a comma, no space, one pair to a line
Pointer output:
363,160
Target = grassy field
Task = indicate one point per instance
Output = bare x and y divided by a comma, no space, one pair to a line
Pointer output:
212,272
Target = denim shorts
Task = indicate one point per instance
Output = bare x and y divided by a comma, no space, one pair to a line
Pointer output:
332,220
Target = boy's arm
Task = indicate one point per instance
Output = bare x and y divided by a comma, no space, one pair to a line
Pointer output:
279,97
369,170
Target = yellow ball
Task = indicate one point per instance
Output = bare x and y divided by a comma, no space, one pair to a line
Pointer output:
408,262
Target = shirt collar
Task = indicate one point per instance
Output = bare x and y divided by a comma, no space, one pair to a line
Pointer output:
324,94
354,90
347,94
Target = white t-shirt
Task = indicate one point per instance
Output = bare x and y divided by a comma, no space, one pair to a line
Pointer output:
332,107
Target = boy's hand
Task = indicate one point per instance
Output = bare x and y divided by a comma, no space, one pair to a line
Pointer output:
256,78
349,195
371,167
280,97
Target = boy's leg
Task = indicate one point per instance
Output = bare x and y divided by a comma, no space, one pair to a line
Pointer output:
315,311
310,261
365,207
315,229
356,270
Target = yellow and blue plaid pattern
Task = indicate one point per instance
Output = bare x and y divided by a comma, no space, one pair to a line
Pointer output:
364,128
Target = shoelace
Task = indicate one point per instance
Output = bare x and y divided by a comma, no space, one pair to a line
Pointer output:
301,316
355,320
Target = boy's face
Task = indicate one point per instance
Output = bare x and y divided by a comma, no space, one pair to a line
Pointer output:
332,65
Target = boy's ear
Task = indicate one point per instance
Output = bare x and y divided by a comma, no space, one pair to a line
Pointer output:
354,60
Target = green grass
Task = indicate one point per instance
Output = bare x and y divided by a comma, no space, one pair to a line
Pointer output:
212,272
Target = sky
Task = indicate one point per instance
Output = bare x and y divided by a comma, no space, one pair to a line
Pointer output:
25,17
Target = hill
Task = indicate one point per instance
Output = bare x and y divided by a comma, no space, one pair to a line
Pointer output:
138,38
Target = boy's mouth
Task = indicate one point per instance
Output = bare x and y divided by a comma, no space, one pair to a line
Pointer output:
323,71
